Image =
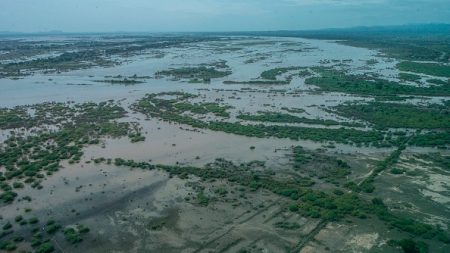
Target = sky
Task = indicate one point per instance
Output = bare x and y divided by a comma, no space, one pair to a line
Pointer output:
213,15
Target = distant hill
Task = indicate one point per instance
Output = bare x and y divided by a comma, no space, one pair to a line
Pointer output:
361,31
402,30
9,33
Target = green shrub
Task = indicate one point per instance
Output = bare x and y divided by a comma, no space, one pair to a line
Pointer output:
45,247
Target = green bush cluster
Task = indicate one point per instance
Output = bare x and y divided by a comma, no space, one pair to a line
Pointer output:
202,72
287,225
409,77
440,139
338,81
32,235
125,81
203,108
433,69
75,234
272,74
396,115
321,166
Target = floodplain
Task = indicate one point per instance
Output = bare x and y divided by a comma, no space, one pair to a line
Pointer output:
221,143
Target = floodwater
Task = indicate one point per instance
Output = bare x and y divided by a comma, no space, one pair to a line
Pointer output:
79,85
247,58
168,143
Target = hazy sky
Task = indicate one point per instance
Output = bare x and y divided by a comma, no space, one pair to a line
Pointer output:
213,15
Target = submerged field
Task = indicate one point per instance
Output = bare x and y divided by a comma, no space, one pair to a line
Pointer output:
221,144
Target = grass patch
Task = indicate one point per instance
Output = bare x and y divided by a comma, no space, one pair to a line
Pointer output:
409,77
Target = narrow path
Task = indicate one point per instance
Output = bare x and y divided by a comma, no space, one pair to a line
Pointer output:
215,239
303,241
366,176
386,163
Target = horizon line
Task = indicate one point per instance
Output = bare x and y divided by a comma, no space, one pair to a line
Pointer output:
62,32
